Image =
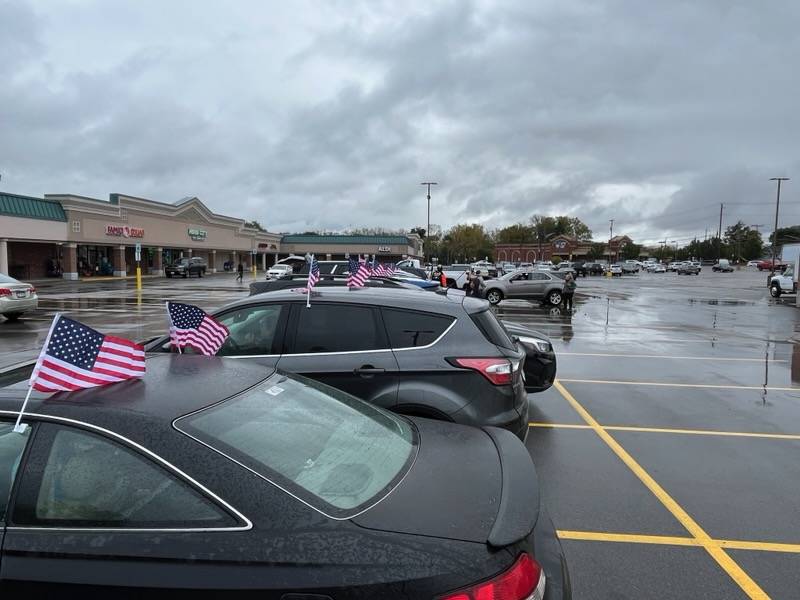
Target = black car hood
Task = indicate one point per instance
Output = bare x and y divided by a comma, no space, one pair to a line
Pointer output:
460,487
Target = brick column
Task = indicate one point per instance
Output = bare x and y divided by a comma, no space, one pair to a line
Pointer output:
213,265
189,253
119,262
264,261
70,261
4,256
158,263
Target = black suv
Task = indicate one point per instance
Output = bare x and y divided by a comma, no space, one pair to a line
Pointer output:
423,354
185,267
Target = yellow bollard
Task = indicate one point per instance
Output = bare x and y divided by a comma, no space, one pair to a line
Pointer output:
138,277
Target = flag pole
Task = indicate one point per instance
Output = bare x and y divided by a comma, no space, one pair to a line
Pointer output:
18,427
169,318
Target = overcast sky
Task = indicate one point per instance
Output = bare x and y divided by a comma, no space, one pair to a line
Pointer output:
328,114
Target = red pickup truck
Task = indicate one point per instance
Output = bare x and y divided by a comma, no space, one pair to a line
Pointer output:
766,265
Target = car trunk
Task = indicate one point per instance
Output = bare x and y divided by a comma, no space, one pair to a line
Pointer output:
502,510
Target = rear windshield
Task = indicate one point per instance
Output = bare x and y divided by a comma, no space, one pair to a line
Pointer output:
7,279
330,450
492,329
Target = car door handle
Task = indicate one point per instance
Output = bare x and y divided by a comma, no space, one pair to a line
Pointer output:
368,370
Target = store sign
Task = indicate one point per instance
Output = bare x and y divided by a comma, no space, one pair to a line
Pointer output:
198,235
560,244
384,248
124,231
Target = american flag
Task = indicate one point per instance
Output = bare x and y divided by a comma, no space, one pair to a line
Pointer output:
383,270
76,356
313,274
359,273
191,326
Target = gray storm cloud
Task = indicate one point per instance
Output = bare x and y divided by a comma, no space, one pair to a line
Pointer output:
328,115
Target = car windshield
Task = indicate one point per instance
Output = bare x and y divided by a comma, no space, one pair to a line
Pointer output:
182,262
334,452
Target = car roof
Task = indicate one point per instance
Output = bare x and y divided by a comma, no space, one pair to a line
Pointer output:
174,385
395,298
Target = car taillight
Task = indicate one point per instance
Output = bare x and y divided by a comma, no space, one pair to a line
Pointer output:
525,580
496,370
5,292
32,290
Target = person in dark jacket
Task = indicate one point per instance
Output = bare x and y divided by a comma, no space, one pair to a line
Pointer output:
240,272
569,290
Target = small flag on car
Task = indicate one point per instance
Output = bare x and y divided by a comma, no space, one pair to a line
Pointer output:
76,356
313,278
359,273
191,326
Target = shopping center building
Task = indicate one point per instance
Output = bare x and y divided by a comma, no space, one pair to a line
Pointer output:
74,237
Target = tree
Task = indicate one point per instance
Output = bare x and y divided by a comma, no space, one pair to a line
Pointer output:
596,250
420,231
742,242
787,235
254,225
519,233
630,251
467,243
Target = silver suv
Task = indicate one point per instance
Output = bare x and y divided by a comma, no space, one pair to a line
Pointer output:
534,285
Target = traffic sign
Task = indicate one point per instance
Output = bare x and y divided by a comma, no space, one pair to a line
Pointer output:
138,251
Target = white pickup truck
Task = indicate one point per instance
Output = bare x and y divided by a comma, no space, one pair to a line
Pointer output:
783,283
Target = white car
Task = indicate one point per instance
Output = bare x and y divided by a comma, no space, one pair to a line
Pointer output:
783,283
279,270
615,270
659,268
16,298
752,263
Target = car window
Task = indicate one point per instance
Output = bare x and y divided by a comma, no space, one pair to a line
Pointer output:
338,328
492,329
85,480
253,330
328,448
410,329
540,276
12,445
520,277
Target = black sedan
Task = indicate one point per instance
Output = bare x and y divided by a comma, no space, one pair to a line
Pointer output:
208,476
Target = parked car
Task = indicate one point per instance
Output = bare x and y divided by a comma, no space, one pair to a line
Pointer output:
659,268
296,281
753,263
536,286
767,265
688,268
540,358
723,266
186,267
435,355
593,268
615,270
16,298
218,478
783,283
279,270
630,267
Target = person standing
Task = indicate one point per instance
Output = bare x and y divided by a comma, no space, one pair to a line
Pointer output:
569,290
240,272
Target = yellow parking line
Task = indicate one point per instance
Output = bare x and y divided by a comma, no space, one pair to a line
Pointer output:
668,540
684,385
774,436
736,573
714,358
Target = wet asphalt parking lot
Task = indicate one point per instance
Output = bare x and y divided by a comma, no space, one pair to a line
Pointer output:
668,451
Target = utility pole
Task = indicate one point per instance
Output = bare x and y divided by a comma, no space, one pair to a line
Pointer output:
719,233
775,232
428,226
610,235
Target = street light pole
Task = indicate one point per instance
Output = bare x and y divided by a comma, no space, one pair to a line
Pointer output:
610,236
775,232
428,226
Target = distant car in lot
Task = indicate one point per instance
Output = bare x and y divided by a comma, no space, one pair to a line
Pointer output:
659,268
427,354
723,266
688,268
673,266
536,286
767,265
16,298
218,478
753,263
186,267
615,270
593,268
783,283
630,267
279,270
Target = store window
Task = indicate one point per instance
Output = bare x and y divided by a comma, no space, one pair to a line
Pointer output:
76,227
123,214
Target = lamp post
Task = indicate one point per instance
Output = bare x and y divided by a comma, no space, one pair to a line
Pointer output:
428,226
775,233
